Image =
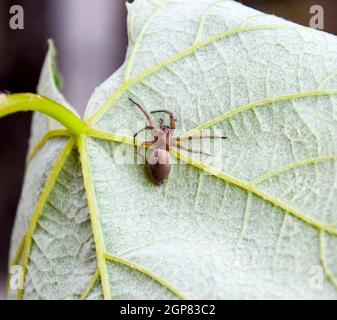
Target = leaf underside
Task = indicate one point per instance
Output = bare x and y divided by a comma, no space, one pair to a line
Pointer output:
255,224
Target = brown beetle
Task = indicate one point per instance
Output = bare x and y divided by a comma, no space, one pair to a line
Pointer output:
159,159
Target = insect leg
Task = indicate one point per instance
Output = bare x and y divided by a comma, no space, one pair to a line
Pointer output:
147,115
189,138
144,144
179,146
161,123
140,131
172,120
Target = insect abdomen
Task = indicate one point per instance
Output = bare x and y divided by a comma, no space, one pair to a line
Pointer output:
159,165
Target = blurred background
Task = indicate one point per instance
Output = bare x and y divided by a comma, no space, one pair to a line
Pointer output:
91,39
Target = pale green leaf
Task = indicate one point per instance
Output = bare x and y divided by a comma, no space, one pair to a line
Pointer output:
256,221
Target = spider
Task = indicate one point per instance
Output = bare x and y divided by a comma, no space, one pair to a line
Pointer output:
159,160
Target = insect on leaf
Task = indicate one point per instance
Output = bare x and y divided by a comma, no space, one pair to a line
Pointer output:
257,220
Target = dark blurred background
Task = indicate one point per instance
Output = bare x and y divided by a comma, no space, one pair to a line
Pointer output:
91,40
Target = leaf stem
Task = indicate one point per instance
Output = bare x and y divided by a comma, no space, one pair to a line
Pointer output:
32,102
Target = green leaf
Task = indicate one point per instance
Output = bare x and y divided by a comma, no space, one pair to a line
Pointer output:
258,220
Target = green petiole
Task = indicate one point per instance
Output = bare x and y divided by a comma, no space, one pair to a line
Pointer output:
32,102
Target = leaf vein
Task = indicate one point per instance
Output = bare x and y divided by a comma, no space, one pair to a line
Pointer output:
260,103
49,135
94,216
292,166
39,208
251,188
90,285
147,273
139,39
98,114
324,263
